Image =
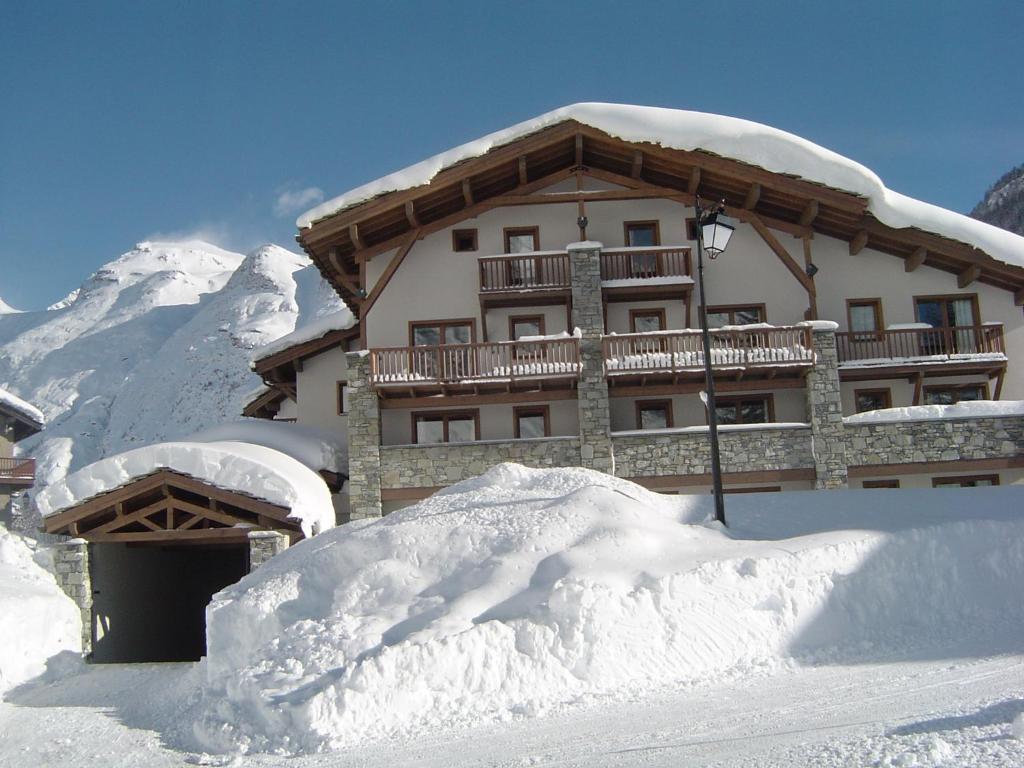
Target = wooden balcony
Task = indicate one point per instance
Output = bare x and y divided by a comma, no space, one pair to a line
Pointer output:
674,356
17,473
525,278
977,349
499,366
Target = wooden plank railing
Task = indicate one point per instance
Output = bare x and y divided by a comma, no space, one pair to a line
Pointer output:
468,363
645,263
21,471
671,351
525,272
908,343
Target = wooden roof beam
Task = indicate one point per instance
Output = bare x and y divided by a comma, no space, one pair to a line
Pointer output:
353,235
467,192
1018,298
810,213
753,195
916,259
522,170
579,150
410,214
343,277
968,276
778,249
858,242
694,182
638,164
382,283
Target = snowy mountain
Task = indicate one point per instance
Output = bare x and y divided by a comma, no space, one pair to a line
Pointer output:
154,346
1003,204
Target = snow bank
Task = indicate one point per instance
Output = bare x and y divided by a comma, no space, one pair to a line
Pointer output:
525,590
965,410
743,140
233,466
26,410
37,620
321,326
318,449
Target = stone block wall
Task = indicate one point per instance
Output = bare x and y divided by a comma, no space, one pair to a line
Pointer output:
411,466
72,566
908,442
363,440
689,453
263,545
825,413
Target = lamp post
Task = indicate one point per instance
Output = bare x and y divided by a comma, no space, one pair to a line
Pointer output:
712,236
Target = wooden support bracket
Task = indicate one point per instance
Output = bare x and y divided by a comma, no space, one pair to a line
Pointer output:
968,276
858,242
916,259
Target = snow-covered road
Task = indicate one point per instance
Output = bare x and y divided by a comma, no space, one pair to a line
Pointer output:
939,711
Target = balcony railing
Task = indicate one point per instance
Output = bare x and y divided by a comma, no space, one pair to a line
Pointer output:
645,263
681,351
922,344
472,363
17,471
535,271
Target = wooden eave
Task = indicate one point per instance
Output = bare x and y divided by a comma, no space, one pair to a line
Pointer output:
168,507
23,427
476,185
265,405
279,371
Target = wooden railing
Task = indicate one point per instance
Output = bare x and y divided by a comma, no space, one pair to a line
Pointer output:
919,343
20,471
645,263
671,351
525,272
468,363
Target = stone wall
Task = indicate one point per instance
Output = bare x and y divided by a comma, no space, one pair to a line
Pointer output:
263,545
363,440
825,413
689,453
907,442
426,466
72,565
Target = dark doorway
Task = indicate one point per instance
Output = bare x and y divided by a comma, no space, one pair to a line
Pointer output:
149,602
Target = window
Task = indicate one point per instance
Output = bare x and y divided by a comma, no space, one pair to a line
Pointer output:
432,363
736,314
446,427
947,394
523,271
948,312
464,240
431,334
342,397
880,484
646,320
970,481
865,318
531,421
691,229
872,399
642,234
525,325
653,414
522,239
753,409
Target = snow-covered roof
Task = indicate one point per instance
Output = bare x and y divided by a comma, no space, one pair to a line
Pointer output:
743,140
254,470
318,449
19,408
965,410
341,320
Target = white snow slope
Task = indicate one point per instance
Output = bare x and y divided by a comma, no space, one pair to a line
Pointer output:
153,347
526,591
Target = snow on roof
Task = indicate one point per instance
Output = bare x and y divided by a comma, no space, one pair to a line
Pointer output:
743,140
26,411
341,320
965,410
254,470
318,449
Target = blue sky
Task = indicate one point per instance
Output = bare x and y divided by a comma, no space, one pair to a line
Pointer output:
121,122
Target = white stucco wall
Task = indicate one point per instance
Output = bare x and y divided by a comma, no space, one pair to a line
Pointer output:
924,480
317,387
495,421
688,410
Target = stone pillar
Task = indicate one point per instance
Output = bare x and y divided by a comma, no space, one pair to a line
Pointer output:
588,316
72,564
263,545
363,440
825,410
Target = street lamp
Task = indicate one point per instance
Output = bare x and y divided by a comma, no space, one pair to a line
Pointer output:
712,236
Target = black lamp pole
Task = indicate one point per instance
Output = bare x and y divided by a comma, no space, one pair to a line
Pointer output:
707,217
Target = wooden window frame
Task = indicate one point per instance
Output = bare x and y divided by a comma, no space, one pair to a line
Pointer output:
627,225
880,484
635,313
940,481
642,405
691,230
954,387
508,232
513,319
975,306
732,309
445,416
531,410
756,489
739,399
342,385
885,391
879,332
472,233
442,324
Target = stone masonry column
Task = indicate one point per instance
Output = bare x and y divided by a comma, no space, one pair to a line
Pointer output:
72,564
263,545
588,315
363,440
825,410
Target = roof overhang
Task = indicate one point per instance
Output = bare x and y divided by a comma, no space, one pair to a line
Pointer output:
23,425
280,370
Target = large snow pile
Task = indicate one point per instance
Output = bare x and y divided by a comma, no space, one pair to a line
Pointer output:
744,140
37,620
526,590
336,321
318,449
254,470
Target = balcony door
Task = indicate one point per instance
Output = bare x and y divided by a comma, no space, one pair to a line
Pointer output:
945,313
523,271
436,353
642,234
